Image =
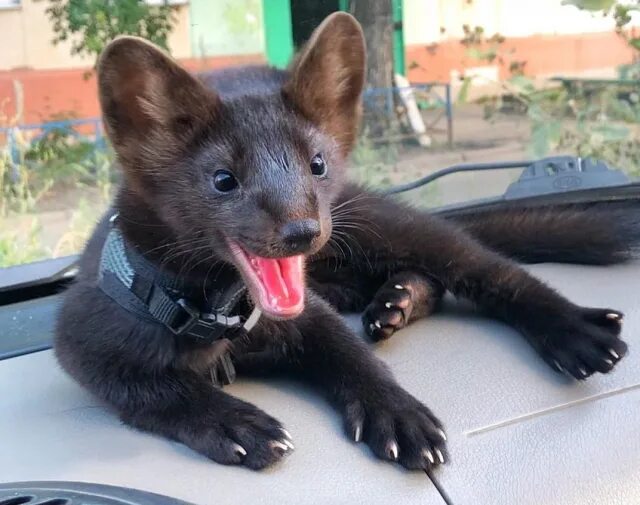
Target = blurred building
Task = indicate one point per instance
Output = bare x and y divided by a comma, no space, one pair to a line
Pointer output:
39,80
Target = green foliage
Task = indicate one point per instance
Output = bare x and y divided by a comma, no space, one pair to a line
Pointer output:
16,249
591,5
60,167
463,93
20,188
622,15
629,72
600,121
91,24
371,162
56,161
82,222
486,49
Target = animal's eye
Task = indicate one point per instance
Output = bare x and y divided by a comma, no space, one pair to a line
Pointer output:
224,181
318,166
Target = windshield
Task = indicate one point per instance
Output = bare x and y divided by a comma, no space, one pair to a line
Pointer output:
449,83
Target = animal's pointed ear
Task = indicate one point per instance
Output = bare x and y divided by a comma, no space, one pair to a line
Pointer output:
327,78
149,103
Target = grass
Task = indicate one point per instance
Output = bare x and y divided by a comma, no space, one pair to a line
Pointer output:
17,248
52,192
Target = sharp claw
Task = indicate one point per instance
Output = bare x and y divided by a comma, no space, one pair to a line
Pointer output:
372,327
377,324
388,305
557,364
276,444
608,362
286,433
582,371
240,450
289,444
442,434
614,317
357,436
614,354
439,454
392,451
398,286
429,455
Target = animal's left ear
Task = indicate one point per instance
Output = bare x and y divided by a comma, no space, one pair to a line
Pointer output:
327,77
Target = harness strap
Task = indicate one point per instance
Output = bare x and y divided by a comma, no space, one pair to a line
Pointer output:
137,286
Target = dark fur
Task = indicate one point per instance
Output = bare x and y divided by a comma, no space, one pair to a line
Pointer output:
568,234
170,133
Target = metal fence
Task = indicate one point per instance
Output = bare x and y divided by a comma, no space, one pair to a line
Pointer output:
432,99
16,138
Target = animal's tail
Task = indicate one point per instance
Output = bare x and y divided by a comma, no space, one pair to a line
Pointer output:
594,235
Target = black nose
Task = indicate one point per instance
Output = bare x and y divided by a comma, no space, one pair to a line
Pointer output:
298,235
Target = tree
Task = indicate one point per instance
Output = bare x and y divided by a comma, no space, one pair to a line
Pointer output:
92,24
376,19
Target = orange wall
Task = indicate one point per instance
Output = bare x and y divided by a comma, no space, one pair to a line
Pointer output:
67,92
47,92
545,55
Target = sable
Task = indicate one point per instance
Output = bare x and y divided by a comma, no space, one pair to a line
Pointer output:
239,176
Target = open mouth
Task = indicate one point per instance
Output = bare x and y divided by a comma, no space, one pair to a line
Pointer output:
276,284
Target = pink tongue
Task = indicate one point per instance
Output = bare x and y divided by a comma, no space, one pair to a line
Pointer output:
283,279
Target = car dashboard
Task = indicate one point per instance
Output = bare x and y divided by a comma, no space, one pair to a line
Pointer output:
518,432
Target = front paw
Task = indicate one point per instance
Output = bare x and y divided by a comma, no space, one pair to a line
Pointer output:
242,434
581,341
388,312
397,428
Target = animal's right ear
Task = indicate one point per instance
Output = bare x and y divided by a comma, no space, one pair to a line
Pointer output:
149,103
327,78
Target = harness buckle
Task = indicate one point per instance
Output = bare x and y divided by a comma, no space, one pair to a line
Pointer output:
208,326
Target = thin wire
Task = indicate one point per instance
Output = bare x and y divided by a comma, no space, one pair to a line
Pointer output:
464,167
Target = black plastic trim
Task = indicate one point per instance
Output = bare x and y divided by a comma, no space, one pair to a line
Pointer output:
78,493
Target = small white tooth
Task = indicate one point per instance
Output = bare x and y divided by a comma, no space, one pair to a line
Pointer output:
439,454
614,354
398,286
358,434
393,450
388,305
275,444
377,324
240,450
442,434
429,455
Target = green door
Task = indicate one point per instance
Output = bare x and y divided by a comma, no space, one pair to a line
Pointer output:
398,39
277,31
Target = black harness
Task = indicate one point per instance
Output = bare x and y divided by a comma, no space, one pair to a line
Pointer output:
140,287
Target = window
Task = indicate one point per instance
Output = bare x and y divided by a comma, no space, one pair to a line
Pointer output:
474,82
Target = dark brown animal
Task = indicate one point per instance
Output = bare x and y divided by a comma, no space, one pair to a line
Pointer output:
242,172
